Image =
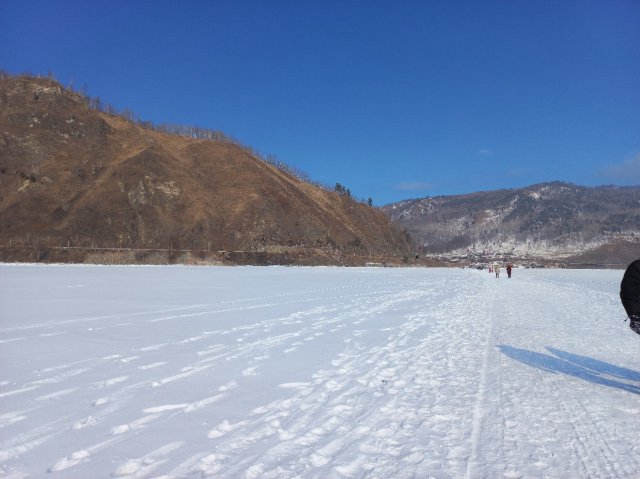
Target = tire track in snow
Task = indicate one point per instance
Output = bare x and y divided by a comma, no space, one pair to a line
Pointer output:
487,308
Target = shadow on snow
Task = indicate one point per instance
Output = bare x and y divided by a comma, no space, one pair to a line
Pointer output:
582,367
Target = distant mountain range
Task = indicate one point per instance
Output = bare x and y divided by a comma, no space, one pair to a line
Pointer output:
81,183
556,222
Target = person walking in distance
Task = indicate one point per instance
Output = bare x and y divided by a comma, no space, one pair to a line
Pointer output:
630,294
496,268
509,266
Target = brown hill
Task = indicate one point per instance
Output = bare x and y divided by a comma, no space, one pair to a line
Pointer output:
78,184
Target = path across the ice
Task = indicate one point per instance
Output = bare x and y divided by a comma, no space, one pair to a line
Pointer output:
180,372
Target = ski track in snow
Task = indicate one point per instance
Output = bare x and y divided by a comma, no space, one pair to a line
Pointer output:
179,372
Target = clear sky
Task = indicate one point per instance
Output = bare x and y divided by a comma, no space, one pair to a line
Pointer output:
394,100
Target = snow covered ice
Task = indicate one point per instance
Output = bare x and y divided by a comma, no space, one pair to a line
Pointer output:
249,372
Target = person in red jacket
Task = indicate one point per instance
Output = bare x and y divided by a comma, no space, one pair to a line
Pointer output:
509,266
630,294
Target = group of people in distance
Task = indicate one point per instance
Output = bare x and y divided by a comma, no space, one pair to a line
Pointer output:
495,268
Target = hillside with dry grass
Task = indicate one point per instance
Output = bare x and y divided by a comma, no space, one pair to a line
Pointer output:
80,184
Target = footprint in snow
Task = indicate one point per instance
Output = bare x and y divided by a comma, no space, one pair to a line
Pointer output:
224,427
228,386
152,365
82,423
137,424
143,466
110,382
70,461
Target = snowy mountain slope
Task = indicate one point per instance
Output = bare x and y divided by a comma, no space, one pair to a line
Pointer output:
549,221
323,373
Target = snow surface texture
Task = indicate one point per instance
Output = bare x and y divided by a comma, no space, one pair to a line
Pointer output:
277,372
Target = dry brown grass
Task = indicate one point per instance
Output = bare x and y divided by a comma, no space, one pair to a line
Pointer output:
70,175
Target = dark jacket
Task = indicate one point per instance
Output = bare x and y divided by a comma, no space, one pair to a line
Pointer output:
630,289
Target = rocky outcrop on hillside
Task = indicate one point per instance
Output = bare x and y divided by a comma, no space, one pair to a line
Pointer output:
80,184
550,222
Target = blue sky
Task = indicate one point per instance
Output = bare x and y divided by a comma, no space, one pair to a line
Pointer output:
394,100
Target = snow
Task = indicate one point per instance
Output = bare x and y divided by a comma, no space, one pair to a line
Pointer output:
249,372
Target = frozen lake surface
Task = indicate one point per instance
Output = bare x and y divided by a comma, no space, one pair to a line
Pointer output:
249,372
